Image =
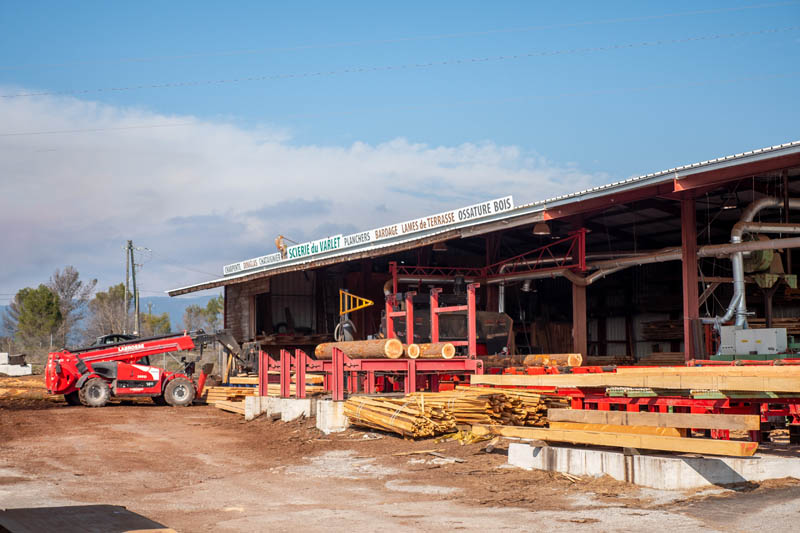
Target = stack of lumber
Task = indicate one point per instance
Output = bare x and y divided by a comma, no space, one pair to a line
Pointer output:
231,407
792,325
649,431
274,389
476,405
410,418
663,359
213,395
662,330
552,337
623,439
534,403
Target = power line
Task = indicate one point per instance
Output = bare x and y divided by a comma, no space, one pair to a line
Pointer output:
409,66
456,103
442,36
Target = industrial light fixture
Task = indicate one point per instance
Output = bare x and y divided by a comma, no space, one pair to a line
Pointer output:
730,202
440,247
541,228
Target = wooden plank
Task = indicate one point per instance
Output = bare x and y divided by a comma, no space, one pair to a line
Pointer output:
672,420
677,381
718,370
614,428
243,380
624,440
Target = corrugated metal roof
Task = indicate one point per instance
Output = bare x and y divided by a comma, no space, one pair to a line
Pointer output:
524,210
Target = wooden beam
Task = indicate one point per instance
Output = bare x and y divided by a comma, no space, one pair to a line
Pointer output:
661,381
615,428
623,440
714,370
672,420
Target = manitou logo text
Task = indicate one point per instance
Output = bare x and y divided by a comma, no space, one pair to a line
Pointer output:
130,347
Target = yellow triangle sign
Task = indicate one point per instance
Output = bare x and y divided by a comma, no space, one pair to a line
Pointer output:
350,302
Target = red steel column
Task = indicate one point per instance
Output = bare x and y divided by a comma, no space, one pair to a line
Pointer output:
579,332
300,361
691,309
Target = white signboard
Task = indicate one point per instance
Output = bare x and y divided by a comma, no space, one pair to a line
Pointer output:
338,242
447,218
328,244
256,262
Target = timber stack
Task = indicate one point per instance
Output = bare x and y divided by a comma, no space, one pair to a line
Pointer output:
409,418
476,405
534,403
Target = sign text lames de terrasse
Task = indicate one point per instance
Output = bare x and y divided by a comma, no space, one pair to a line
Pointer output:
338,242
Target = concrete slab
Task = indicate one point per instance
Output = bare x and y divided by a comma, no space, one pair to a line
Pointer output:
671,472
289,408
330,417
16,370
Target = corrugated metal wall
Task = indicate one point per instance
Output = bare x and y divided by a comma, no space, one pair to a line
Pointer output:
615,331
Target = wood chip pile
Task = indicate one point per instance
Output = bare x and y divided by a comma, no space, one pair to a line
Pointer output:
409,417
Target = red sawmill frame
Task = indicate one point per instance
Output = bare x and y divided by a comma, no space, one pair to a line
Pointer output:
571,257
343,375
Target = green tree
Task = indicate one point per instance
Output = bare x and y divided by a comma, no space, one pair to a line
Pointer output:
208,318
73,296
213,313
194,317
107,312
33,317
153,325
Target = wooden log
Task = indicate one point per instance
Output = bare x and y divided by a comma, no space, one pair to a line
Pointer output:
379,348
679,381
553,359
624,440
674,420
614,428
439,350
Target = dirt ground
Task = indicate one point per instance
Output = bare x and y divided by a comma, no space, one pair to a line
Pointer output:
201,469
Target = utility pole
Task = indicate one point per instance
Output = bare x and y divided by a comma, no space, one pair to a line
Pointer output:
135,292
128,249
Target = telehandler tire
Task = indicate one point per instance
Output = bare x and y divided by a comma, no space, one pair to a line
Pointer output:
159,400
95,393
179,392
73,398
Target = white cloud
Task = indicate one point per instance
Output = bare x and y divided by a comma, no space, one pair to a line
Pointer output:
209,193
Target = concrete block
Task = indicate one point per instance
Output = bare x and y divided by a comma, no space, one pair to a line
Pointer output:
16,370
289,408
3,358
330,417
671,472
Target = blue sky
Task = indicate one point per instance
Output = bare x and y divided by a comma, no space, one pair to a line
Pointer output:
536,125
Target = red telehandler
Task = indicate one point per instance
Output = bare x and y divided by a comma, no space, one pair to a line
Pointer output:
92,375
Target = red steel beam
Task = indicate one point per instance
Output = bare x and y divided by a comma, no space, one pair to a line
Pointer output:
691,309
